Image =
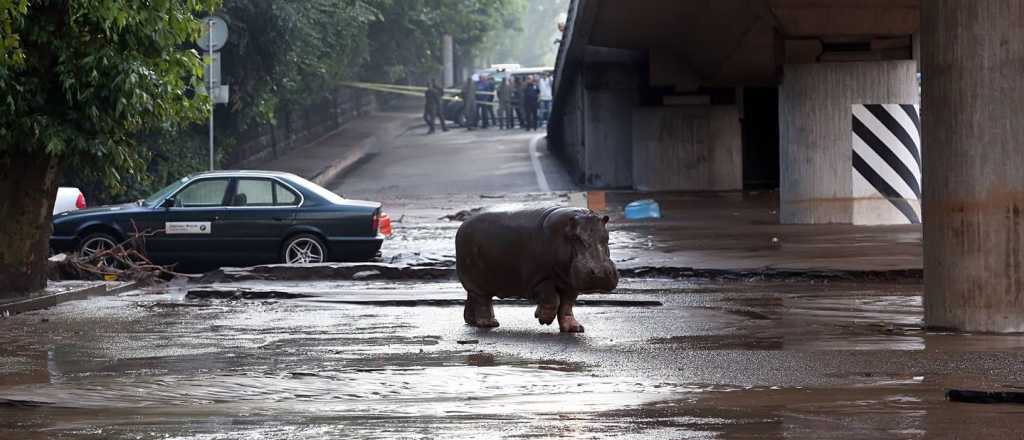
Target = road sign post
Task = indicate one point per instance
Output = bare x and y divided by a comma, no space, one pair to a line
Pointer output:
213,40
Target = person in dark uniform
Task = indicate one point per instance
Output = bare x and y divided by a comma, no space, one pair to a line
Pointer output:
505,112
517,101
531,103
432,106
484,99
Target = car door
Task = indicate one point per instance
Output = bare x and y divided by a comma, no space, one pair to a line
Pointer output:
192,229
255,222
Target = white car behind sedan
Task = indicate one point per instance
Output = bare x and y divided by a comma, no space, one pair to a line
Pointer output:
68,199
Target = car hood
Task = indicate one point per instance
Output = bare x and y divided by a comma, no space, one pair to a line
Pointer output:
82,213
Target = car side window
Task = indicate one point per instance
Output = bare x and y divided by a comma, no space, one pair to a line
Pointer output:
202,194
285,196
253,192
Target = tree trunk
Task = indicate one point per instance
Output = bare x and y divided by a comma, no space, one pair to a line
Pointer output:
28,187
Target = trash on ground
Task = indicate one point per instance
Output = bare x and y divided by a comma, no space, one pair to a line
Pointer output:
642,209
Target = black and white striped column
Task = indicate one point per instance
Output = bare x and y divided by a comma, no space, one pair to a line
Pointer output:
886,164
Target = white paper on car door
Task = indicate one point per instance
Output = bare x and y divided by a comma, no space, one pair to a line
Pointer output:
187,228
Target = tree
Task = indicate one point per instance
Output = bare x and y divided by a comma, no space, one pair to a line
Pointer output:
405,41
531,44
79,80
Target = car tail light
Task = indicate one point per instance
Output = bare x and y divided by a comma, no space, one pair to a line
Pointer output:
80,201
385,225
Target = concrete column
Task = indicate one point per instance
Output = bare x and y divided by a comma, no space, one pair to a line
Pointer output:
610,93
687,148
815,132
448,55
972,62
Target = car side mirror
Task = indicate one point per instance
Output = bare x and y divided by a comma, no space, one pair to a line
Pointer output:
168,203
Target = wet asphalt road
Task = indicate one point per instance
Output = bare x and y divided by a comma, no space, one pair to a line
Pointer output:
748,359
737,360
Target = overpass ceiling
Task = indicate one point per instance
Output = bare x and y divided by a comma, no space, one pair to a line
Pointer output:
639,24
734,40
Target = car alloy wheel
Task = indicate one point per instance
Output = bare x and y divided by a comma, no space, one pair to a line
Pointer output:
304,250
95,244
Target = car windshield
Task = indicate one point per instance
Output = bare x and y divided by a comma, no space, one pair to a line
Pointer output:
159,195
318,190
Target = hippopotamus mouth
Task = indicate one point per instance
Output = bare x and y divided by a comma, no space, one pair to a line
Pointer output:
592,269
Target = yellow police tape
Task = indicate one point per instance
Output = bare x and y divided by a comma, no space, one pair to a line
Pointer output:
418,91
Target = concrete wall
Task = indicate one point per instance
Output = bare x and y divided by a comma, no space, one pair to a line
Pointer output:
571,133
815,132
687,148
610,93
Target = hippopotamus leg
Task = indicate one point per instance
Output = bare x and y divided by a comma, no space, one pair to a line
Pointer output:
479,311
566,321
547,302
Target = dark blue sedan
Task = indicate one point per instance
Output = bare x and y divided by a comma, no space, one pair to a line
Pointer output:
234,218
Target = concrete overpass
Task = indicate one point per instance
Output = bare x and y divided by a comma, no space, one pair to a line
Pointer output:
819,98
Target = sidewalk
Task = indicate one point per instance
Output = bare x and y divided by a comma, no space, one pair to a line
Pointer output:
57,292
331,156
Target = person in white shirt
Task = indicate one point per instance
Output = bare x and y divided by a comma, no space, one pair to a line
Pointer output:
545,98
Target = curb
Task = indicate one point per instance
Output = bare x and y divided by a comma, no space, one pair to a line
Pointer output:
42,302
356,154
385,271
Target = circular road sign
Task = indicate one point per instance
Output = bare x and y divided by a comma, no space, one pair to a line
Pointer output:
217,28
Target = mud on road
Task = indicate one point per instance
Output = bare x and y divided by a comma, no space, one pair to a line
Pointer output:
322,360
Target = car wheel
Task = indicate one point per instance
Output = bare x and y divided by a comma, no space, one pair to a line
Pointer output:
303,249
95,243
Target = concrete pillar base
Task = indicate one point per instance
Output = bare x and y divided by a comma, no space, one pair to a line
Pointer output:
817,109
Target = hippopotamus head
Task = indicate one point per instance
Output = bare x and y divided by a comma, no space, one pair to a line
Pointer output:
591,268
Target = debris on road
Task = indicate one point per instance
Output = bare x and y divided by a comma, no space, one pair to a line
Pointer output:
240,293
989,397
125,261
468,341
462,215
365,274
327,271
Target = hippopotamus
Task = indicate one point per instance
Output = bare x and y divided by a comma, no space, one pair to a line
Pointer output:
548,256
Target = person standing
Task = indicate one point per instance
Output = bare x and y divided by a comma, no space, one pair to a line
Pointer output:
545,98
531,100
505,115
517,101
484,100
432,106
469,104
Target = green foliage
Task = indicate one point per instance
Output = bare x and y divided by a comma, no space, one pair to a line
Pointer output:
109,85
81,79
531,43
405,42
285,53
